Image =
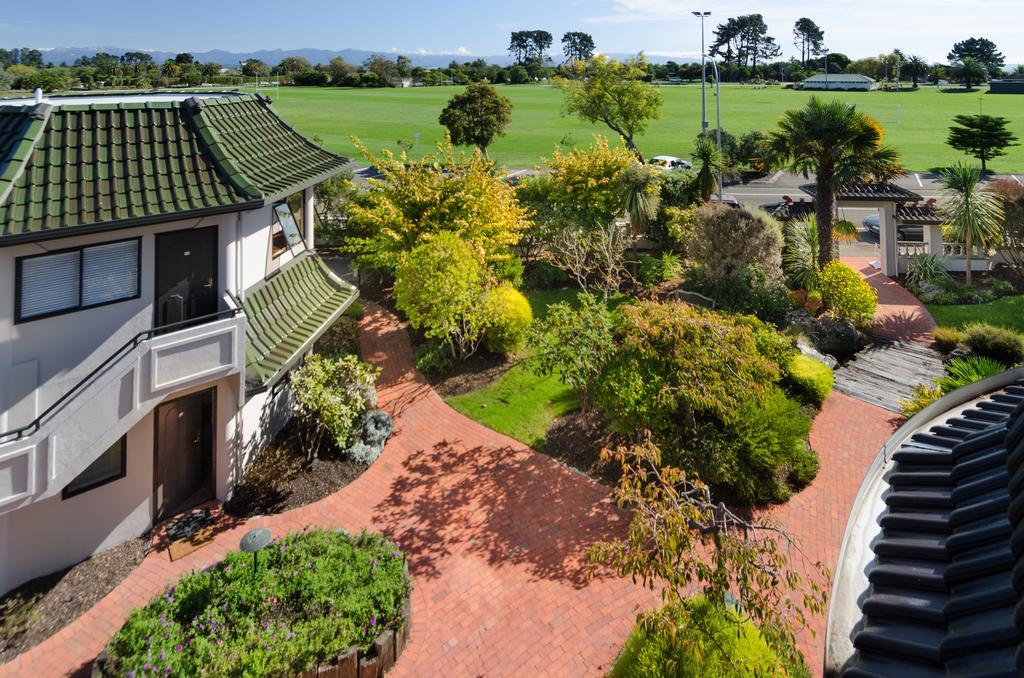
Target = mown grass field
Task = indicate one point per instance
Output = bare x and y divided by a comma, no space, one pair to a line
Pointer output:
916,122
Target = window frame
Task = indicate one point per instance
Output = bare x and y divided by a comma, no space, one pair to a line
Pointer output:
123,442
300,228
18,280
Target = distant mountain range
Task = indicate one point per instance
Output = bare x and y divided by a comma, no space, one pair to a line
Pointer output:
68,55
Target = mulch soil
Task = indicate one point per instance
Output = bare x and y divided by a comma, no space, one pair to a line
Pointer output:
479,371
40,608
278,480
577,439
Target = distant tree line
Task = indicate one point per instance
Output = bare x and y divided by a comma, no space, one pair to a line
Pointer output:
743,46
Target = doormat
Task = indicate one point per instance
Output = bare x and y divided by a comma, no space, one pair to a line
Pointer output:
189,533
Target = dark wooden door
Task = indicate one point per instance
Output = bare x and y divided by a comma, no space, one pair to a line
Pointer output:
184,453
186,275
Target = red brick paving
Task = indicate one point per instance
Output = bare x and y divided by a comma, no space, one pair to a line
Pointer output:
496,536
900,315
496,533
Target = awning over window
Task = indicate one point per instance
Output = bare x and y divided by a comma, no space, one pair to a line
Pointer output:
286,314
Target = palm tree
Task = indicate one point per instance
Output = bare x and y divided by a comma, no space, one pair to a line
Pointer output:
641,192
916,67
974,214
712,164
840,146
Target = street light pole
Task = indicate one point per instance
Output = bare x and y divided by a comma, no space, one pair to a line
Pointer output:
703,81
718,113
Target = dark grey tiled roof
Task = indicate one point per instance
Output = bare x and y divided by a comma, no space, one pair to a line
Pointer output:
918,214
869,191
942,599
792,211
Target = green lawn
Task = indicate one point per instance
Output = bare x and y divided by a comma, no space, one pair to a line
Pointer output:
916,122
1005,312
521,404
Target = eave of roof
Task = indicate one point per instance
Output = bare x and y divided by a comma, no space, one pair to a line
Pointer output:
869,192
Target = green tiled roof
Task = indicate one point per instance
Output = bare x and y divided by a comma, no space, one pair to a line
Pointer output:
107,165
286,314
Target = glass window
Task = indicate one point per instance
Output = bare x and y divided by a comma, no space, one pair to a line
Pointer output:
72,279
297,204
289,226
109,467
49,284
110,272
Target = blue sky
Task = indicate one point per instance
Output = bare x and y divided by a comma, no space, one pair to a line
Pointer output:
857,28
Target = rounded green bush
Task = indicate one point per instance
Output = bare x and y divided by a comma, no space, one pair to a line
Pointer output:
510,319
846,294
737,648
947,338
312,596
998,343
809,379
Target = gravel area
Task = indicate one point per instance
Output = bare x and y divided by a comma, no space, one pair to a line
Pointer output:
37,609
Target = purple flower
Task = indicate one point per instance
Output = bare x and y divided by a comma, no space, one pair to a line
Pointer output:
163,654
179,648
167,671
309,565
146,666
131,674
227,570
283,548
201,627
289,636
373,621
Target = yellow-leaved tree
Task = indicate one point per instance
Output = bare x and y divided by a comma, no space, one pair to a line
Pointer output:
414,200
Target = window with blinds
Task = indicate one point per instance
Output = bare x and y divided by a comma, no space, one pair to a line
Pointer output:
68,280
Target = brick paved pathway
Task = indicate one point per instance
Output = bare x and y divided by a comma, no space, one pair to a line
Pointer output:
496,533
900,315
496,536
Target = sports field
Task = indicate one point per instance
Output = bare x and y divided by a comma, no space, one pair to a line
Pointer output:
916,122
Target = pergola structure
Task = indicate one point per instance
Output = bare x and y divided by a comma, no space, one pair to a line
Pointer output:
887,198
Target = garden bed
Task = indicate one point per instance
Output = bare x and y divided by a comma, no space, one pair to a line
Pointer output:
40,608
278,480
315,603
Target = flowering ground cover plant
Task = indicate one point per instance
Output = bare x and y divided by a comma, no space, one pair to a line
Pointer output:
312,596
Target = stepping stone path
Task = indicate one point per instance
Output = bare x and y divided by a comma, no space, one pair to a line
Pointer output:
888,371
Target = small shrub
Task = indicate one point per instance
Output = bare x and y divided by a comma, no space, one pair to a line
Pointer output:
998,343
964,371
847,294
543,275
510,317
679,225
375,428
330,394
434,357
655,271
809,379
923,395
814,302
749,292
925,268
947,339
999,287
355,310
804,469
726,241
702,640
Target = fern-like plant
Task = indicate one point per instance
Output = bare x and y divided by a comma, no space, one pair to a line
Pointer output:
963,371
925,268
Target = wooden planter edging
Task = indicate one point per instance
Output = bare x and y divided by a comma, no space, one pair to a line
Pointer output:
381,656
376,661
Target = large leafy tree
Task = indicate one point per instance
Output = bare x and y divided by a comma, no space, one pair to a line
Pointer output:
614,93
415,199
808,38
744,41
477,115
917,68
974,215
253,68
839,145
982,136
577,46
982,49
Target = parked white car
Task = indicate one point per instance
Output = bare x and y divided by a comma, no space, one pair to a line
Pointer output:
668,163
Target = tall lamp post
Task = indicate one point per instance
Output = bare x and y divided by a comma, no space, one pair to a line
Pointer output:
718,113
703,82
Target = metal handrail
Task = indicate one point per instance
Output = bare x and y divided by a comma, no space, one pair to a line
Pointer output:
131,344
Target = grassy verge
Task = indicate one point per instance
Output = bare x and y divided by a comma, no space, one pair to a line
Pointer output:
1006,312
522,404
